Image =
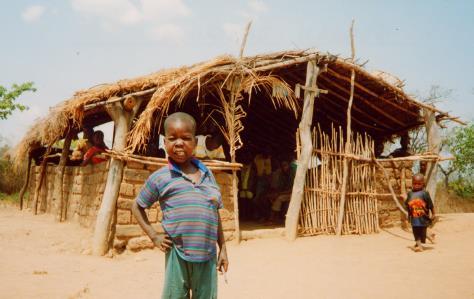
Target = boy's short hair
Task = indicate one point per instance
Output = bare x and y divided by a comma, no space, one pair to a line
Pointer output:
180,116
419,176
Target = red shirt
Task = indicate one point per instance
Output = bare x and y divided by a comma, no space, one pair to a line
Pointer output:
91,154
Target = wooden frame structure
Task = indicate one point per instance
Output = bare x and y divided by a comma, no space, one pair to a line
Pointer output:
254,102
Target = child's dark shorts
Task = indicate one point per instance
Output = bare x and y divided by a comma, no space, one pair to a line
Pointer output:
419,232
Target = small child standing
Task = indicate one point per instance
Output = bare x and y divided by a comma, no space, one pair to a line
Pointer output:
189,199
419,205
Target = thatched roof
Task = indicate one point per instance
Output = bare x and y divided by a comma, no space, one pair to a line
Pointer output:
380,108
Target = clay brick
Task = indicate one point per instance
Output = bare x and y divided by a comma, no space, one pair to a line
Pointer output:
137,188
228,225
135,165
153,168
136,175
134,230
123,216
225,214
124,203
126,189
152,215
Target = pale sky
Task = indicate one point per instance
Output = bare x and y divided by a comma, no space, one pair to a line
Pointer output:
68,45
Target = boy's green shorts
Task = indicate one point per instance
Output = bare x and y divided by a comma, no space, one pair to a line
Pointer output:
182,278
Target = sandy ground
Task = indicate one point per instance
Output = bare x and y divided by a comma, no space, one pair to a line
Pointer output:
43,259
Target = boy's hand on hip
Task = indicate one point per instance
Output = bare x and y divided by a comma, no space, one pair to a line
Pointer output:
163,243
222,262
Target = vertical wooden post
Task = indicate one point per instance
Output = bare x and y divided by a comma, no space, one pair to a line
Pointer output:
122,120
235,90
58,196
27,181
345,170
39,184
311,91
434,147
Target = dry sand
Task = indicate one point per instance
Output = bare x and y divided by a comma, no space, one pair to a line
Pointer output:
43,259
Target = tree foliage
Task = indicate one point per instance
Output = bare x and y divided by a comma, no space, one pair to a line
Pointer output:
8,98
461,145
460,142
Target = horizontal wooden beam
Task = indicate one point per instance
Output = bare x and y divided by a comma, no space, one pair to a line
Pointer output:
413,101
355,107
370,92
379,110
113,100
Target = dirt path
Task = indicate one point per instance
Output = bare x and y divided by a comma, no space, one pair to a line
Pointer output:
43,259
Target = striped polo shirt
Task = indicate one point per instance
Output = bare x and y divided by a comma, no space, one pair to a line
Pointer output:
190,215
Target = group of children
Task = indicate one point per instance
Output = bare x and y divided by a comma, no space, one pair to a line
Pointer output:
189,198
265,186
89,152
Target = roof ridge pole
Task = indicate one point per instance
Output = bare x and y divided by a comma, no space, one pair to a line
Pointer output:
310,93
345,170
122,116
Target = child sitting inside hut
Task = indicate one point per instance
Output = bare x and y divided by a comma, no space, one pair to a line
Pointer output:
403,150
98,146
263,165
210,145
281,188
246,186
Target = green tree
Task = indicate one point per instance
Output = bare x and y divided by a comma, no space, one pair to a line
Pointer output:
461,144
8,98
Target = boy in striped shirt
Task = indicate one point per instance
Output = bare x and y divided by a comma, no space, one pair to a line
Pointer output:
189,199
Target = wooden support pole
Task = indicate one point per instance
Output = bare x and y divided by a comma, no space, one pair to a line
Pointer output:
292,216
390,187
41,179
102,232
27,181
58,196
434,147
345,170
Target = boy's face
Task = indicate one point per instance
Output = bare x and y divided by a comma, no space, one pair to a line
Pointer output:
418,184
180,141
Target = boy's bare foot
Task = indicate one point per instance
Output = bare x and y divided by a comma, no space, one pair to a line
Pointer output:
418,249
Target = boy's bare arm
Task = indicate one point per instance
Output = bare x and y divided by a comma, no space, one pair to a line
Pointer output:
163,242
433,214
223,261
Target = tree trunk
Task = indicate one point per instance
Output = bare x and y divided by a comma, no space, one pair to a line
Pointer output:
434,146
292,216
102,233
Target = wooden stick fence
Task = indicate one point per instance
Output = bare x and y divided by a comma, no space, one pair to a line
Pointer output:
320,207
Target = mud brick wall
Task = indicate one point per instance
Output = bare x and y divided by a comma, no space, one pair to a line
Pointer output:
83,188
134,177
389,214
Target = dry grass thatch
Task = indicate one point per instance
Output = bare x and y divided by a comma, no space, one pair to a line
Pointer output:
380,107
